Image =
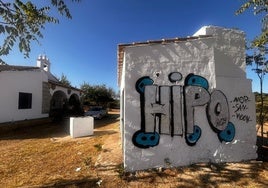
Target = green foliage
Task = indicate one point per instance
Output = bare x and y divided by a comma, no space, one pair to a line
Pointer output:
97,94
22,22
114,104
64,80
258,60
260,7
258,105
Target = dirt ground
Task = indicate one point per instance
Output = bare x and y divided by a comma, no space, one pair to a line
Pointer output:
46,156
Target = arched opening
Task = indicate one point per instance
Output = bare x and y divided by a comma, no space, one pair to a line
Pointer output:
58,105
74,105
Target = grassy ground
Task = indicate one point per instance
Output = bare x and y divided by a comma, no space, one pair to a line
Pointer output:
46,156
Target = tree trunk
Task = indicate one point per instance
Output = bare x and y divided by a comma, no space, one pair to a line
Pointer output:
261,118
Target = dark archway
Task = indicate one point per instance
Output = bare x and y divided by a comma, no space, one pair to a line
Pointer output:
58,105
74,105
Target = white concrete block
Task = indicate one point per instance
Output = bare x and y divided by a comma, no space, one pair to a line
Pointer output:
81,126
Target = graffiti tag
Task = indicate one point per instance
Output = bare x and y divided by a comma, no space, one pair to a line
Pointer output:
170,110
240,107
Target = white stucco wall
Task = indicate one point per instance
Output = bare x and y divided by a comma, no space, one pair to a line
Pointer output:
13,82
229,50
218,61
65,90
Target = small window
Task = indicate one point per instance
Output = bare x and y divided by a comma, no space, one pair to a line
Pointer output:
25,100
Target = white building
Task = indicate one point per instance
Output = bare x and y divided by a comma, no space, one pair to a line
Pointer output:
33,92
186,100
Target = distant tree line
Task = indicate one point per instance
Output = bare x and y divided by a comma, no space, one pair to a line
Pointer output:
99,95
95,95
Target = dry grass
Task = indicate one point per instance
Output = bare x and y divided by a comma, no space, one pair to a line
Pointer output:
46,156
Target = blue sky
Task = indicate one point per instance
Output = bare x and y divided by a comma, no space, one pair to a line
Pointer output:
85,48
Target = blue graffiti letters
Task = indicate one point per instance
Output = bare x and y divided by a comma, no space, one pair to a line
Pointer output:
142,82
191,139
170,110
228,133
145,140
195,80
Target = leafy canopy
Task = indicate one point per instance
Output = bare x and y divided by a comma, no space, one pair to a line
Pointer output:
260,7
64,80
97,94
22,22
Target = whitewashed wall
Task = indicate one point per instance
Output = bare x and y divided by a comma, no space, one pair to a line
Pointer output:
13,82
65,90
220,61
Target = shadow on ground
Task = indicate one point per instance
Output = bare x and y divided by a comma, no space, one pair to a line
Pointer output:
204,175
248,174
50,129
199,175
81,183
262,149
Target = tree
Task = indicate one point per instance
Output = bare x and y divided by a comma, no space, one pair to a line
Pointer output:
259,46
99,95
260,7
64,80
22,22
265,105
260,68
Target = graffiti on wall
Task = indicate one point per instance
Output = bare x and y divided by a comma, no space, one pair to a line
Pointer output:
170,110
240,107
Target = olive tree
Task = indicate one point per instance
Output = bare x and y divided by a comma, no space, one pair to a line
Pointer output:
260,67
259,7
64,80
258,59
22,22
97,94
